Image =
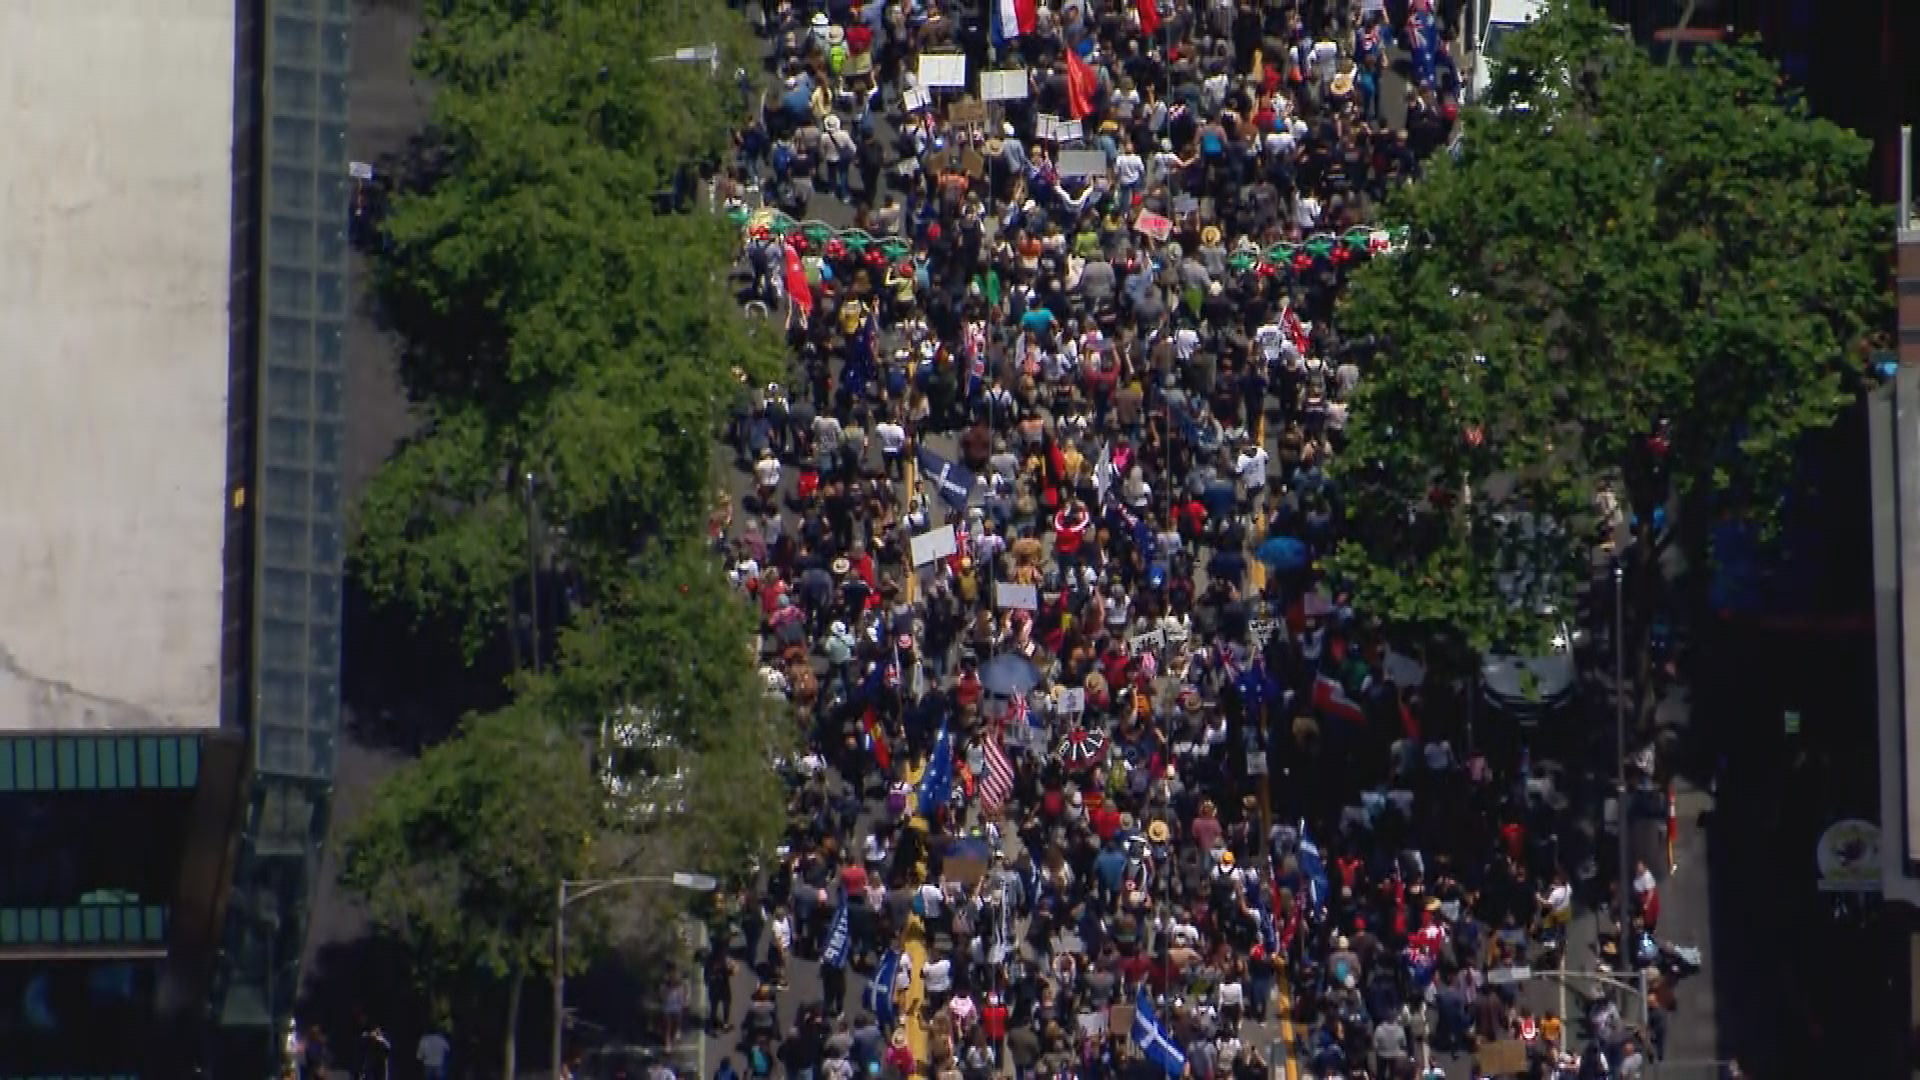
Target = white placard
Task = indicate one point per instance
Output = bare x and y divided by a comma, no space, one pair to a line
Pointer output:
1013,597
1256,763
1068,131
1262,630
916,99
1403,671
1003,85
1072,702
1044,125
359,170
943,71
1082,163
1149,640
1372,7
937,544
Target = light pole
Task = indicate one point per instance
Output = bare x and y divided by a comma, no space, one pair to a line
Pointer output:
533,572
567,893
1620,749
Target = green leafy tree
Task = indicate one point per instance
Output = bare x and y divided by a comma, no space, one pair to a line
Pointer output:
1634,275
460,852
670,647
552,320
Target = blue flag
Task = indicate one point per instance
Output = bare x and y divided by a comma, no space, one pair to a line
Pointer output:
951,479
1152,1039
834,953
878,997
936,780
1314,868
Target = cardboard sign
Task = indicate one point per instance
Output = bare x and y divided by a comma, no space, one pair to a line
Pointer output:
1256,763
916,99
943,71
1008,596
1155,226
972,163
964,870
967,113
1120,1019
936,162
936,544
1003,85
1082,163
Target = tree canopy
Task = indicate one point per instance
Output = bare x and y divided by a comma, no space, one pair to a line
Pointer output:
558,318
1633,274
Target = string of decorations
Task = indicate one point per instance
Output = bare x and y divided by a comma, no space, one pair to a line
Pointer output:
820,238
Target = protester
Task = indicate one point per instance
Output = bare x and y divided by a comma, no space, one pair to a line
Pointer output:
1106,731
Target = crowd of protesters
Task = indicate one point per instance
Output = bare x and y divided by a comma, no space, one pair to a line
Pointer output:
1117,750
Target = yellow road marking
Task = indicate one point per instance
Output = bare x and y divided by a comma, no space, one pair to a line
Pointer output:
913,999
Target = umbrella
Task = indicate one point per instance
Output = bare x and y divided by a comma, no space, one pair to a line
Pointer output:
1082,749
1009,675
1283,554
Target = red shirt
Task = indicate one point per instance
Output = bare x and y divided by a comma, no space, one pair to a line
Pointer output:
854,877
993,1021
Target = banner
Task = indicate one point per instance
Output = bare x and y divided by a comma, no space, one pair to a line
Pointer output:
943,71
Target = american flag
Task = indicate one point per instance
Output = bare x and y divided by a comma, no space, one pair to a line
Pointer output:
998,782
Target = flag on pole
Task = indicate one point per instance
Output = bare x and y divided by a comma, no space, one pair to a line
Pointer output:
796,281
1314,867
1331,698
1013,18
936,781
953,480
876,739
1082,84
997,785
834,953
879,994
1149,16
1152,1039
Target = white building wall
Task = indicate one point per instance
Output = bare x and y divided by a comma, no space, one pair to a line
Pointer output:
116,126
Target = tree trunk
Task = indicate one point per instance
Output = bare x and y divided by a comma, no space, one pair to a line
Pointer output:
511,1051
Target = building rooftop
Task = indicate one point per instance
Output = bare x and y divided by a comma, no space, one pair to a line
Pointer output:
115,220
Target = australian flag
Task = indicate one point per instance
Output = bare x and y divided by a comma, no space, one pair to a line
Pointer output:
954,482
878,997
936,781
839,937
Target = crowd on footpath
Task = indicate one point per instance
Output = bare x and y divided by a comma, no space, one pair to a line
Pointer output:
1102,774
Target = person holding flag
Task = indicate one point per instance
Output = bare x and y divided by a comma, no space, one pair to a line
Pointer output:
833,961
1151,1039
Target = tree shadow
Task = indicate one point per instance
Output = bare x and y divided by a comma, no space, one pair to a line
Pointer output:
405,681
351,983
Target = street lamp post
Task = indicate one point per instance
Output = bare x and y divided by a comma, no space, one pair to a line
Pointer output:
1620,738
570,891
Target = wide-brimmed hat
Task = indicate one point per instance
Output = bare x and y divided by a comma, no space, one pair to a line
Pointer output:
836,35
899,1039
1158,833
841,565
819,18
1210,235
832,122
1342,83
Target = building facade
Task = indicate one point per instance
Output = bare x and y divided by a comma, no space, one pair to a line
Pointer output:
173,293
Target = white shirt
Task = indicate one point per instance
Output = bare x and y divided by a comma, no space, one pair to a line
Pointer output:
434,1050
1128,169
1252,467
767,472
893,437
938,976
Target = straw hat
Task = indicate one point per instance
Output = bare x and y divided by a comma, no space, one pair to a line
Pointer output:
1157,832
841,565
994,146
1210,236
1342,84
836,35
899,1038
832,122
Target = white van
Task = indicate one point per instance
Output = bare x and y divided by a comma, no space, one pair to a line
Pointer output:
1502,17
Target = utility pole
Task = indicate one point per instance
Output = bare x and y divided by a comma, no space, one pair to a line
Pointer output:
1620,750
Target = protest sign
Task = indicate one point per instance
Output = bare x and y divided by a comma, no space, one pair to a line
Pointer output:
1155,226
1151,639
967,113
1072,702
1082,163
943,71
359,170
1262,631
916,99
936,544
1003,85
1013,597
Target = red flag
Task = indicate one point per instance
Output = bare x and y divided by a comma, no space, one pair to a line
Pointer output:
1149,16
797,283
877,740
1081,85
